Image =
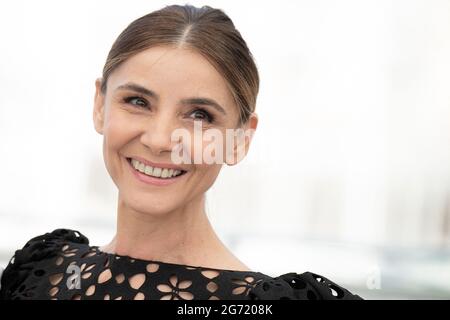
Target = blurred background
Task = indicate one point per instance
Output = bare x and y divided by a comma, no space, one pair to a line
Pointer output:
349,172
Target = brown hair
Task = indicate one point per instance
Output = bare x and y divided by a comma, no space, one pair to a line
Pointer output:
207,30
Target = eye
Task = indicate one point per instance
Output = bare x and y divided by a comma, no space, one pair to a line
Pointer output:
201,114
136,101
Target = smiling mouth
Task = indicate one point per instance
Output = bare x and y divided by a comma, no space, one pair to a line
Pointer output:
155,172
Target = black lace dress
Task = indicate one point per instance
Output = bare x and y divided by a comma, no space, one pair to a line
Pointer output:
61,265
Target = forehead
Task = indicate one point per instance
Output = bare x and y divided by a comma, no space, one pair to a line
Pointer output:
173,73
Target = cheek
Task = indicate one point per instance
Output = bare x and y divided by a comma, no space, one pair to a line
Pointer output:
206,175
115,136
118,130
207,147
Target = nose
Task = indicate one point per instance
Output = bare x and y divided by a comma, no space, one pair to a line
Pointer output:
157,134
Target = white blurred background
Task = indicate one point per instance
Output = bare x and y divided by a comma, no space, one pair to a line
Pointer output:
349,173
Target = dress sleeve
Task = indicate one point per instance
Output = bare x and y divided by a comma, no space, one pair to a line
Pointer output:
303,286
36,249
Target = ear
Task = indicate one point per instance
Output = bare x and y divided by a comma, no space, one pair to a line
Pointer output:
99,107
241,146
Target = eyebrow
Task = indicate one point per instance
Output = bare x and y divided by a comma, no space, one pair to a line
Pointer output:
188,101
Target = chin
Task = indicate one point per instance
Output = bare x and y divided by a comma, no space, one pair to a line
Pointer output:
153,205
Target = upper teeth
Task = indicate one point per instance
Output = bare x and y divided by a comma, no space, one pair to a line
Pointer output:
154,171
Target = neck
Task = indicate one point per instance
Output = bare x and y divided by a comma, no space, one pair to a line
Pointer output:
184,236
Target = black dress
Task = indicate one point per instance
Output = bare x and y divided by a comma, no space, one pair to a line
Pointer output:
61,265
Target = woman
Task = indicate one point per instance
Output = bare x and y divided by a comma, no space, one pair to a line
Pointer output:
165,69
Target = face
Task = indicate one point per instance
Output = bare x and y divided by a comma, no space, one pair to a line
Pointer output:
149,96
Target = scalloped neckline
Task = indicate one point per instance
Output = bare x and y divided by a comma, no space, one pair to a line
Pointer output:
115,255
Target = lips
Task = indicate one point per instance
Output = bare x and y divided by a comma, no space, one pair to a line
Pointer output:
156,164
155,172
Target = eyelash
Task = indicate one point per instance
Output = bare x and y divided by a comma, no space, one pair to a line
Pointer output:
129,99
209,117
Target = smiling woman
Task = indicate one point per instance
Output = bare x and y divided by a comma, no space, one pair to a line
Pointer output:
180,67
